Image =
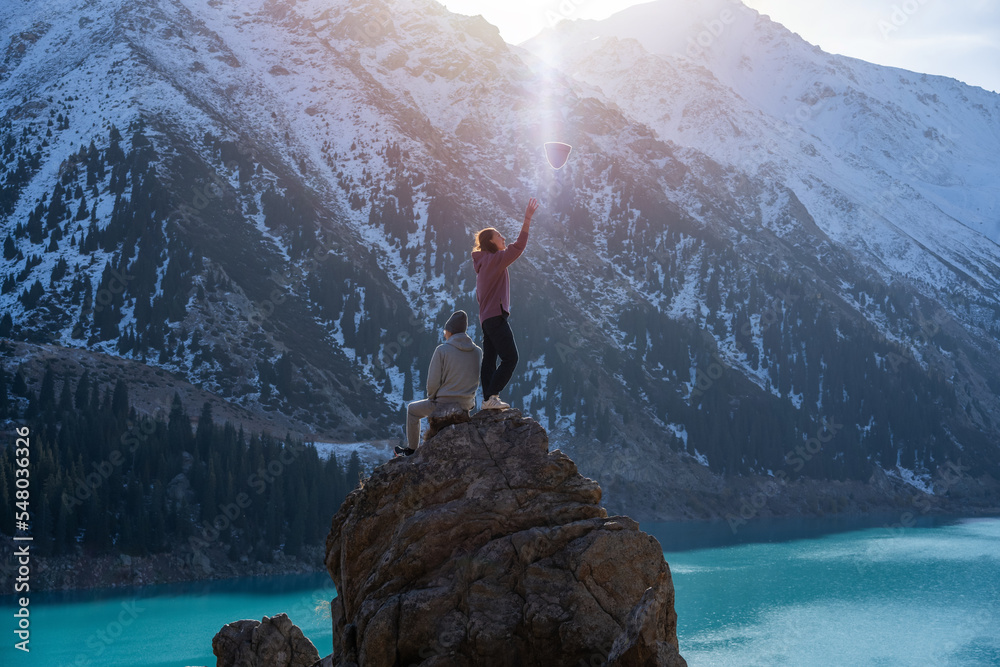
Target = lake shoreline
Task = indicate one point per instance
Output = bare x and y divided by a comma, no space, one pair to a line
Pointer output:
754,604
80,572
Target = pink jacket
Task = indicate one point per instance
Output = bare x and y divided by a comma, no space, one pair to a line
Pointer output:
492,279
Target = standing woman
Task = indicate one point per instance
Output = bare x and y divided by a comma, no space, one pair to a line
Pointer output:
491,257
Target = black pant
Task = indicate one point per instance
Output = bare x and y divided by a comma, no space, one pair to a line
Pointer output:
498,340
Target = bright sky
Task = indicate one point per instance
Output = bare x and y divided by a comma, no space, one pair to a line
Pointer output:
956,38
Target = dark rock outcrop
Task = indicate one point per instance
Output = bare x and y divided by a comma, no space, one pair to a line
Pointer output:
484,548
270,642
445,415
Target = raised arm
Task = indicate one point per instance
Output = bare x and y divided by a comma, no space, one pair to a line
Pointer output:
515,249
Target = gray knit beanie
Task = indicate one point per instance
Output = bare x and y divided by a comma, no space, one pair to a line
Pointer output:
458,322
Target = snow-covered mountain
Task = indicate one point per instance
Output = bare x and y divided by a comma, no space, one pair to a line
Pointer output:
897,166
276,200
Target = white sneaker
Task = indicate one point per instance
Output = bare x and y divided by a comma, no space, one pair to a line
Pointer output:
494,403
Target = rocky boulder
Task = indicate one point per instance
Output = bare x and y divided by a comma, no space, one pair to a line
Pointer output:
443,416
271,642
484,548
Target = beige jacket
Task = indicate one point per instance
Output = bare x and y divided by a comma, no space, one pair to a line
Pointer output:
454,372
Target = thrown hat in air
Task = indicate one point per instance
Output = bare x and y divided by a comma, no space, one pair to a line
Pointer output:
458,322
556,152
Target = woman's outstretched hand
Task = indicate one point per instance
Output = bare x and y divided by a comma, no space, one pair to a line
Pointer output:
532,207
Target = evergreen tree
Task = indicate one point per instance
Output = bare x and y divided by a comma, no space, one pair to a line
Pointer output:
82,396
65,396
4,398
47,393
31,296
353,470
203,434
19,386
128,509
179,426
119,400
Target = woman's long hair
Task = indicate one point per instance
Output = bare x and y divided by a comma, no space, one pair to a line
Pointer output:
484,240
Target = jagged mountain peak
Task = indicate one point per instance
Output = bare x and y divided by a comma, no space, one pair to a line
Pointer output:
912,153
288,192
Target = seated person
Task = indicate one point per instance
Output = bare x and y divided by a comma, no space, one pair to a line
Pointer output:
453,377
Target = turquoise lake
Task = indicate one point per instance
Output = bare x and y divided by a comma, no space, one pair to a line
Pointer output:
780,592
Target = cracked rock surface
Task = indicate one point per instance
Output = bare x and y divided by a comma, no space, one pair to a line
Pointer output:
484,548
271,642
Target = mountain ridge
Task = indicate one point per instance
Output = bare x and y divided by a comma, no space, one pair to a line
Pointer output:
301,261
